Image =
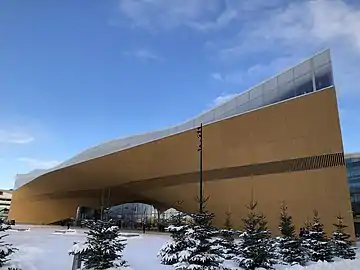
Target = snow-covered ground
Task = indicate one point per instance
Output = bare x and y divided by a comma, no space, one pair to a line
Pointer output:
41,248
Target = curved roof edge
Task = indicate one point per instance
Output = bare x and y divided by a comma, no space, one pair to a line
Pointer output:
284,86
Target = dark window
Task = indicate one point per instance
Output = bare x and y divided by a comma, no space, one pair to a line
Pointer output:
304,88
286,91
323,78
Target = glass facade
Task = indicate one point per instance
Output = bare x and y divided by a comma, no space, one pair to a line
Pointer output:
133,215
353,174
127,216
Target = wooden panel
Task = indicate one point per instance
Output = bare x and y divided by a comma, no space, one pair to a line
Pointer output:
324,190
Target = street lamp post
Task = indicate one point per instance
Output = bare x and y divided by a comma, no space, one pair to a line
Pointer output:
200,150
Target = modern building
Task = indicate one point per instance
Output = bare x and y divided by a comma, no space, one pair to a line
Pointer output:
353,174
5,201
279,141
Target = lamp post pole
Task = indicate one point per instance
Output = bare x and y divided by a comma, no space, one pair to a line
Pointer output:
200,150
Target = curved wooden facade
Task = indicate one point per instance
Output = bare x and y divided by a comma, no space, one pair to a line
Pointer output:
291,151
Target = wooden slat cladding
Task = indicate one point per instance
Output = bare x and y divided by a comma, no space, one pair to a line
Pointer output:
283,166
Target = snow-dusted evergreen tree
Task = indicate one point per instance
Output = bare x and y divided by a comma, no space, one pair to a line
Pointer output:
103,247
169,252
318,246
290,247
226,239
256,248
342,245
5,249
200,253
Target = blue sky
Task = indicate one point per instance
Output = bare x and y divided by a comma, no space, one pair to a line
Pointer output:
76,73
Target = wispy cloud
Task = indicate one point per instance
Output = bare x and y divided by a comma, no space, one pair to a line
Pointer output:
311,23
164,15
222,99
217,76
38,163
200,15
234,77
144,54
10,137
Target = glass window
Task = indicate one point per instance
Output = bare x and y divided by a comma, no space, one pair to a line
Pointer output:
255,103
322,59
270,85
355,197
256,92
270,97
206,118
242,99
353,171
285,77
218,111
286,91
231,104
323,77
243,108
230,113
304,84
302,69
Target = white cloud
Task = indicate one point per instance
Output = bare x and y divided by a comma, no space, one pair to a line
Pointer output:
234,77
39,164
9,137
217,76
222,99
144,54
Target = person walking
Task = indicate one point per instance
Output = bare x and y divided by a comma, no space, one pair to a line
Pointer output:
144,227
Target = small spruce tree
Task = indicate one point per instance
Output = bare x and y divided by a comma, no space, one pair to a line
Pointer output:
317,245
226,239
307,224
256,248
103,247
290,247
169,252
5,249
342,245
200,252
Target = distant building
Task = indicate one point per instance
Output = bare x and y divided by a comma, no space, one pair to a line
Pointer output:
5,201
353,173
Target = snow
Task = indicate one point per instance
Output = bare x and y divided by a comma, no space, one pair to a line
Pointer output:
41,249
